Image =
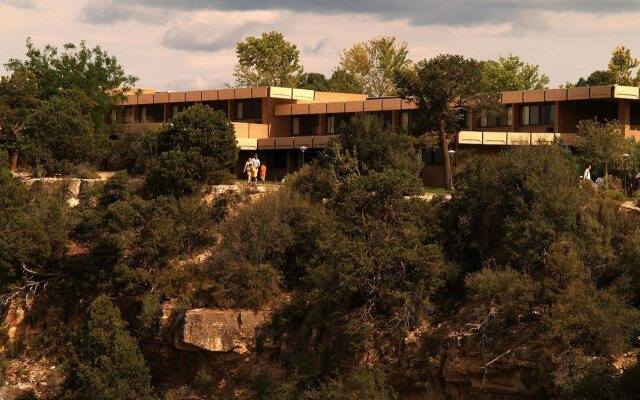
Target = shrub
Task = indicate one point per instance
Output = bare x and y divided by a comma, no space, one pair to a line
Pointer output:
511,292
197,147
593,320
58,140
104,361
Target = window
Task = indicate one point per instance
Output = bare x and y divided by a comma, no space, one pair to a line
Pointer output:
151,113
305,125
220,105
505,119
249,109
331,124
295,126
334,121
404,120
538,114
465,119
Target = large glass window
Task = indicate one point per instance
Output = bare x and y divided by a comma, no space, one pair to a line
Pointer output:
504,119
335,120
405,120
151,113
179,107
249,109
305,125
537,114
218,105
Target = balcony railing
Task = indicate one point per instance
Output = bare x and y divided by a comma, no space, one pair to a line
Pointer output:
514,138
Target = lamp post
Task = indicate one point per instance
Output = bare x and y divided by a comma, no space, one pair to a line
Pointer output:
624,162
303,149
452,154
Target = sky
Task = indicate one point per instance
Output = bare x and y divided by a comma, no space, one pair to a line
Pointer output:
190,44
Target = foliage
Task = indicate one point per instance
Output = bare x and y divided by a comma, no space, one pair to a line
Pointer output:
443,88
55,138
512,293
104,360
132,240
505,209
376,146
33,230
268,60
18,97
314,81
342,82
596,78
197,147
77,67
512,73
263,250
372,64
603,144
595,321
622,66
362,383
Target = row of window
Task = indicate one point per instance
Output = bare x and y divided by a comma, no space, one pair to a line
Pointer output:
251,110
310,124
536,114
245,110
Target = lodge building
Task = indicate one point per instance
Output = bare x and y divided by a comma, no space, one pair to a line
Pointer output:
277,122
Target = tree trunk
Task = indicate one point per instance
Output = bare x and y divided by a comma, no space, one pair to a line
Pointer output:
446,160
14,161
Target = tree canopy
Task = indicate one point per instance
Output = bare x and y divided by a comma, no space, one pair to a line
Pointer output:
198,146
622,67
512,73
603,144
92,70
56,140
106,363
371,65
444,88
268,60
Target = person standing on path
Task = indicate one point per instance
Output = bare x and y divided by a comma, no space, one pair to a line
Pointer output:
587,173
247,169
263,172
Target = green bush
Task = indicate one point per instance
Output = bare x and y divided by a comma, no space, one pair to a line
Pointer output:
104,361
56,140
511,292
197,147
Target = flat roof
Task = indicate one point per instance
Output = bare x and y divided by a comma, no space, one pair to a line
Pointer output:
574,93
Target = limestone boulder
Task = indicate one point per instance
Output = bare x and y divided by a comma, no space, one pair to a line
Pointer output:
221,331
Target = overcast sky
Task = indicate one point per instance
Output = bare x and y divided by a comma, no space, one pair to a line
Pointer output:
189,44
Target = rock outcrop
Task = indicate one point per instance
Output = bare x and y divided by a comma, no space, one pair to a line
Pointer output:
221,331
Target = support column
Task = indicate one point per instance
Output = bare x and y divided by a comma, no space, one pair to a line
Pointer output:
134,114
395,119
166,112
322,130
556,117
624,116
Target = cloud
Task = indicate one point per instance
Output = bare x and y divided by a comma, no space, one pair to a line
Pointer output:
421,13
19,3
106,12
214,31
318,47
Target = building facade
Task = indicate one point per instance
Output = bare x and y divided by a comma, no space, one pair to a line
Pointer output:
277,122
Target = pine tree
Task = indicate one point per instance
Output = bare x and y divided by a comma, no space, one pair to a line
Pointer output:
105,362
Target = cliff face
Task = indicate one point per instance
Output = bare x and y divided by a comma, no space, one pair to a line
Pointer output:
432,362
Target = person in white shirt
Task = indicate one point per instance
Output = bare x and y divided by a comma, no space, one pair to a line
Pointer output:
256,161
587,173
